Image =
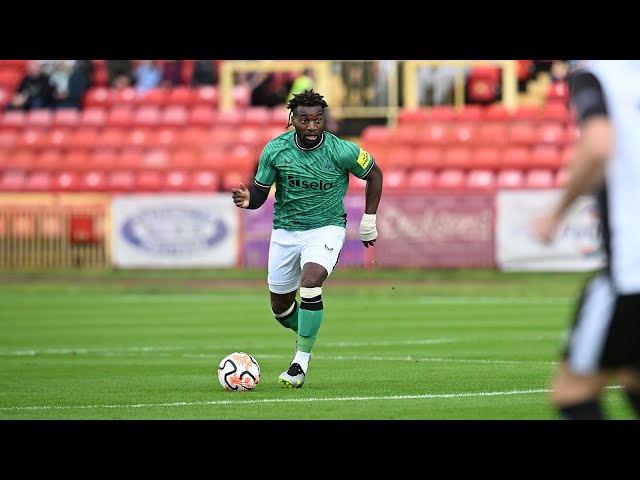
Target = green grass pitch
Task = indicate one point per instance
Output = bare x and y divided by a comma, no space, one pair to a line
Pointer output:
397,345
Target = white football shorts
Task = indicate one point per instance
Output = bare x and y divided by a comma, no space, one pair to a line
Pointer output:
289,251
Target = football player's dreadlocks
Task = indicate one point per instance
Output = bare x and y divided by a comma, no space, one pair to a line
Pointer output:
308,98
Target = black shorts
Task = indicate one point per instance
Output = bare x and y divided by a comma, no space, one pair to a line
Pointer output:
605,333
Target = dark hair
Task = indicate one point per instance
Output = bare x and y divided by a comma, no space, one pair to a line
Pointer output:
308,98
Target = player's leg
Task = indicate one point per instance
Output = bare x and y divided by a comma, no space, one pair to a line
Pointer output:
630,380
591,353
577,397
320,253
284,277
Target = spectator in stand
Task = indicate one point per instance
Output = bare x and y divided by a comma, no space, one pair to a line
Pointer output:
171,73
68,84
147,75
87,68
559,71
435,85
120,73
302,82
33,91
204,73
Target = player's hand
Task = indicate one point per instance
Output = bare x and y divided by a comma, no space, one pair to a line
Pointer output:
368,230
544,228
241,196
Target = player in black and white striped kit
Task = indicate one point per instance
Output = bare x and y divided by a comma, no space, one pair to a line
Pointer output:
603,345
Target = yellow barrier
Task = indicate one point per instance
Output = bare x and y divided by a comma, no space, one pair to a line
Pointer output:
54,231
330,83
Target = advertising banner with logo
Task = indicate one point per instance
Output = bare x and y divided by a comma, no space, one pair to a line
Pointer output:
257,226
435,230
576,246
174,231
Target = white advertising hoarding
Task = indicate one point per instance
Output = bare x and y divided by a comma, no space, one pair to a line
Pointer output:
577,244
174,231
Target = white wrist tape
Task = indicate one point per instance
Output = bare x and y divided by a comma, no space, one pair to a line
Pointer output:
368,229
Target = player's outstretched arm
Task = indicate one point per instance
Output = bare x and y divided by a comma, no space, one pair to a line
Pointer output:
368,230
241,196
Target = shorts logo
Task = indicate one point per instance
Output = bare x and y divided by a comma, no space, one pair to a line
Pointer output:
364,159
327,248
297,182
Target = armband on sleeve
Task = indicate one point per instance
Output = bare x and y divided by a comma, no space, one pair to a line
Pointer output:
257,197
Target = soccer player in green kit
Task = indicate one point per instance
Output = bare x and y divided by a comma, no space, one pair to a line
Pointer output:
310,168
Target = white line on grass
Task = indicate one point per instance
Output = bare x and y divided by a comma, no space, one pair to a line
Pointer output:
281,400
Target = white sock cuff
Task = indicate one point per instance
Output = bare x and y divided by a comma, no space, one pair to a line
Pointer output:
284,314
310,292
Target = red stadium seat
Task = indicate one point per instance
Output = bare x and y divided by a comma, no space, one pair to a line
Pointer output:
497,112
441,113
97,96
183,95
66,117
191,136
163,137
241,95
488,157
421,179
176,181
207,95
521,134
539,178
480,179
229,118
8,139
39,118
510,178
103,160
257,116
470,113
110,137
12,181
452,179
39,182
175,116
201,116
526,112
48,159
546,156
205,181
75,160
157,97
405,135
457,157
242,159
428,157
280,117
20,159
399,156
125,96
66,181
131,159
83,137
414,116
516,157
93,117
93,181
213,159
139,137
550,132
493,134
13,119
147,116
183,159
464,133
121,116
30,138
121,181
148,181
555,111
395,179
435,133
376,134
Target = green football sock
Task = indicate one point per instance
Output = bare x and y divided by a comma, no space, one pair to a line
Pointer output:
309,322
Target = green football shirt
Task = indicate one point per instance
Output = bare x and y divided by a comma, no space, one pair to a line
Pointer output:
310,183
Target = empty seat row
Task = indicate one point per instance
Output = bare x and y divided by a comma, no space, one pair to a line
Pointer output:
494,112
455,179
468,133
121,181
128,116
